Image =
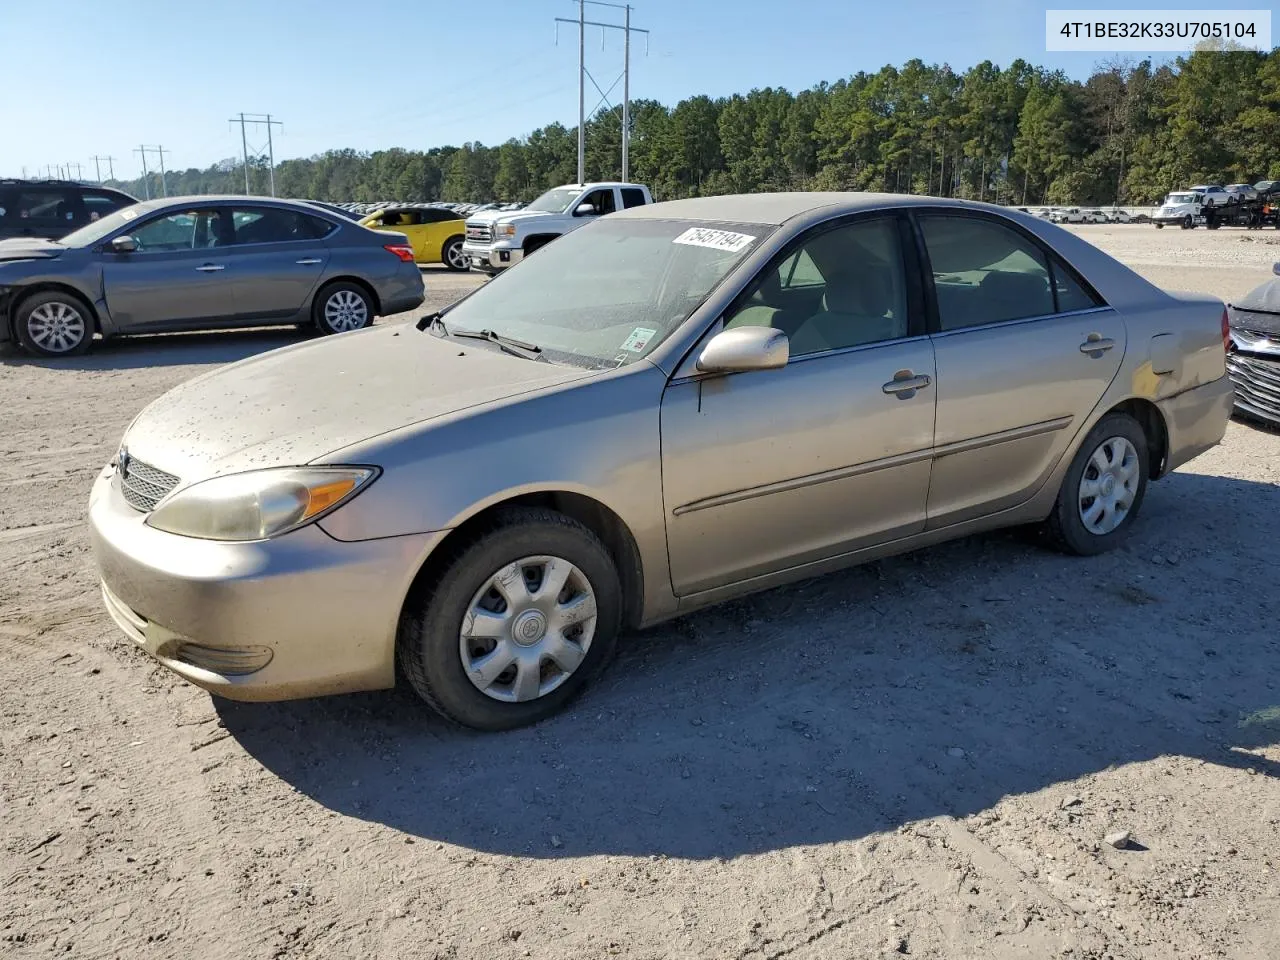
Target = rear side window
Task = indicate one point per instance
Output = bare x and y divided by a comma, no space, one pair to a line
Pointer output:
98,204
632,197
1071,295
270,225
45,208
984,272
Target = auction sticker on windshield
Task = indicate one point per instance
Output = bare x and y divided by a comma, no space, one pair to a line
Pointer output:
715,239
638,340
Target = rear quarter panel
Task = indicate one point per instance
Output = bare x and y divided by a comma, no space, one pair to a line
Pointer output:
360,253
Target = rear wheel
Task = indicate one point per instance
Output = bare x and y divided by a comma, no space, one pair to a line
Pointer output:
453,256
524,616
54,324
341,307
1103,489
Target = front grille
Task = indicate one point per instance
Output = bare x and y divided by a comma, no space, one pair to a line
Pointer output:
480,232
143,485
1257,384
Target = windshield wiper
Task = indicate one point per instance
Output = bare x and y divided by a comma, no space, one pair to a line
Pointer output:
509,344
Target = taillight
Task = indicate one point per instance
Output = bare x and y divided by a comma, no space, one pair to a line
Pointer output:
1226,331
401,250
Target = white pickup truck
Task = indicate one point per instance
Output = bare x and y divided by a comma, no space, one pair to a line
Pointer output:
496,240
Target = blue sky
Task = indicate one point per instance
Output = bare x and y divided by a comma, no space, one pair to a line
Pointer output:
107,76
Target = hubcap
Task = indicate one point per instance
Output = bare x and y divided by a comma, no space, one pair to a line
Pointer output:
527,629
1109,485
455,256
345,310
56,327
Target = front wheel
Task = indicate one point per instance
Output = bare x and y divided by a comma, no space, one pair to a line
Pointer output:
453,256
342,307
1103,489
54,324
525,615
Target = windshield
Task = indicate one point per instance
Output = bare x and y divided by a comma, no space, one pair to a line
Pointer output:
91,233
555,201
607,294
1181,198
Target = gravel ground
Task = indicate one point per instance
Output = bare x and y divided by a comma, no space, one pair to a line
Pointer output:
918,757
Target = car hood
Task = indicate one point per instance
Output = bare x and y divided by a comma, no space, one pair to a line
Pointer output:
1258,311
297,404
30,248
510,216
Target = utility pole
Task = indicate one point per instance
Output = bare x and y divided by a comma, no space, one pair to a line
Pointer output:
584,74
144,149
111,173
245,119
75,164
146,177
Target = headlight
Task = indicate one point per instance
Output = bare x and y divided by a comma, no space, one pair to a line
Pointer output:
258,504
504,230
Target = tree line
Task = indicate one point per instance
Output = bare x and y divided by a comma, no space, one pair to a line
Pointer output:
1129,133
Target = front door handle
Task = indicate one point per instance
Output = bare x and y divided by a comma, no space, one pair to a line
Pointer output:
1095,344
308,261
905,384
211,267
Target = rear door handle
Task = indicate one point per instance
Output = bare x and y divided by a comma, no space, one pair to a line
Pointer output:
1096,345
308,261
211,267
905,384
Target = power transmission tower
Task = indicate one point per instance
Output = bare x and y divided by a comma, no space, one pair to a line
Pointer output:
144,149
75,164
262,119
584,74
111,173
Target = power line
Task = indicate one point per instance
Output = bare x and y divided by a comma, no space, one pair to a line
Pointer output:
583,74
261,119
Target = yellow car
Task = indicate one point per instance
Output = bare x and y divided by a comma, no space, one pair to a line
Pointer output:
435,233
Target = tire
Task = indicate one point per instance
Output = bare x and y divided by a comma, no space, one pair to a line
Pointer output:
1115,439
1159,226
342,307
54,323
431,646
1188,223
451,255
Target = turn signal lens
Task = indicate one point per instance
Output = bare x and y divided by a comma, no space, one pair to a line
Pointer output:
405,253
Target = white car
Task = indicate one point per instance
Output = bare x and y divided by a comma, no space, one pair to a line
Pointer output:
1214,194
1093,215
1067,215
1118,216
1242,191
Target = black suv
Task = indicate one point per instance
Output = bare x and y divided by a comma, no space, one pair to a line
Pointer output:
53,208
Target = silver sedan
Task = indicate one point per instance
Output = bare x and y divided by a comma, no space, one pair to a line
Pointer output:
675,405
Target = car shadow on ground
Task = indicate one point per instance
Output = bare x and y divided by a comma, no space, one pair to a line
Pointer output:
930,684
168,349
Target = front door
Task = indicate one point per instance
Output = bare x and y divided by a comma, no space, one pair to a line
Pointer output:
1025,350
178,274
277,259
767,470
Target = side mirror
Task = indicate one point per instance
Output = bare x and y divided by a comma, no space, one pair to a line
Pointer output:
744,348
125,244
584,210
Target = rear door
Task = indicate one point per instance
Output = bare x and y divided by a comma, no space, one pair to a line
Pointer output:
1024,349
177,276
276,260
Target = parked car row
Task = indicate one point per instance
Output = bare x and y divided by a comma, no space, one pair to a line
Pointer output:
1081,214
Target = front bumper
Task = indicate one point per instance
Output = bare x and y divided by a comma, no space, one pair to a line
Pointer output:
1196,420
492,257
299,616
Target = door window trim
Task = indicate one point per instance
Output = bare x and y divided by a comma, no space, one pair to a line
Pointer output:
1051,257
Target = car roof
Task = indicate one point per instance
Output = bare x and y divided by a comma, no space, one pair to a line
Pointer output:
172,203
777,208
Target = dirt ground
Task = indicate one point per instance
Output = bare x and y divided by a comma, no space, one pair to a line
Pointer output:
917,757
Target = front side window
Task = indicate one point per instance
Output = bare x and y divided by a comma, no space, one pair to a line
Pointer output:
98,205
984,272
185,230
607,294
600,202
846,287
